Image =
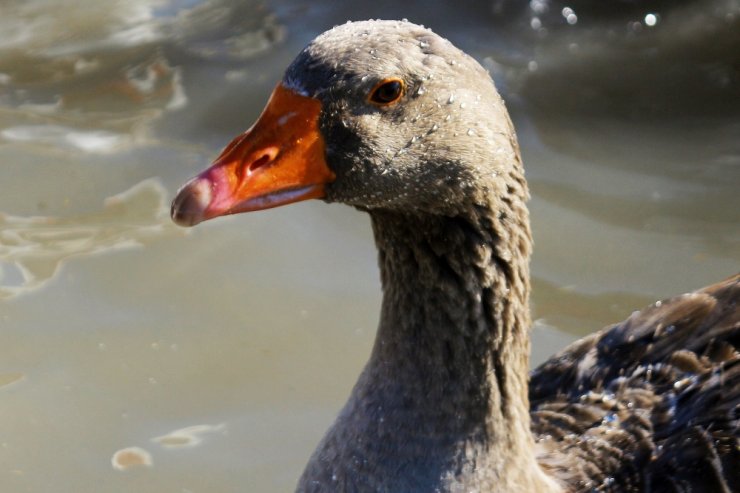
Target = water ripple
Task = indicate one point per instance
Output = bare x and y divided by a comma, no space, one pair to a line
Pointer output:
33,248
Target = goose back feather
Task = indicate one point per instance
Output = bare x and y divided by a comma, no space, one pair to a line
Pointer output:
649,404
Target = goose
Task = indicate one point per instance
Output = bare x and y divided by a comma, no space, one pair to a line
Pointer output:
392,119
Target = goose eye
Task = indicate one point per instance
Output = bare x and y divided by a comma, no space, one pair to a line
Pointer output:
387,92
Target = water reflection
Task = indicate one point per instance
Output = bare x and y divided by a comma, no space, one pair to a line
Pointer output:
93,141
33,248
129,457
189,436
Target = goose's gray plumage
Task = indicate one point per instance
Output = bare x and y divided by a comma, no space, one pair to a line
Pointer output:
444,403
649,404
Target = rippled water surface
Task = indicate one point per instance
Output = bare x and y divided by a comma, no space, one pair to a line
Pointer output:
137,356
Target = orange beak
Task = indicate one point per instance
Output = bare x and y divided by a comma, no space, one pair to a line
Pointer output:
278,161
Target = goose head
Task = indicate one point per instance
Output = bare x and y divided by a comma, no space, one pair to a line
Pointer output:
380,115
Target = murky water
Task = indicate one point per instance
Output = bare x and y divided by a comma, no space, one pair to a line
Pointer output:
137,356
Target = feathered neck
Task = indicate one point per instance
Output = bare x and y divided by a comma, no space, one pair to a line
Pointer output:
454,325
442,404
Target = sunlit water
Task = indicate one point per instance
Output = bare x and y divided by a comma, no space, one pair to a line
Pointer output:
137,356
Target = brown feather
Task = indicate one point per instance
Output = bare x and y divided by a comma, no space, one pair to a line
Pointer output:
656,398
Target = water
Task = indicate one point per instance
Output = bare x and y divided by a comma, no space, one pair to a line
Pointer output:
224,352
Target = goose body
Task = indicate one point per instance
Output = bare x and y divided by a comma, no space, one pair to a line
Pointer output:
392,119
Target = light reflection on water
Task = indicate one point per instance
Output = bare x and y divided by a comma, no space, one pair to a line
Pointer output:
259,324
33,248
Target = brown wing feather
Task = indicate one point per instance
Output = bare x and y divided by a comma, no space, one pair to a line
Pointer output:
650,404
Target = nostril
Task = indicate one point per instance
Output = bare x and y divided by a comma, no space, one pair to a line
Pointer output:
266,158
261,161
